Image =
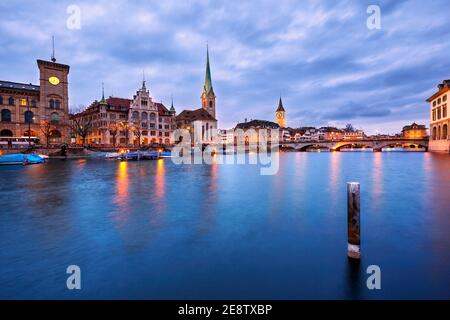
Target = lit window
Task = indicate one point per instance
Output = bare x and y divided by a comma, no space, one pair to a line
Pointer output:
23,102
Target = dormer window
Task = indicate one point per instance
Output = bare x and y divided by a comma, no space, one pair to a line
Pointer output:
144,102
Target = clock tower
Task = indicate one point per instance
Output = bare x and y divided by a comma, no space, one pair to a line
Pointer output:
280,115
54,98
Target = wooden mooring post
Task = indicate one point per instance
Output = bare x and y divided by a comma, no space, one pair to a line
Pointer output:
353,220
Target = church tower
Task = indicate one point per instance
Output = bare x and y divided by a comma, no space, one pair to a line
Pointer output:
208,97
280,115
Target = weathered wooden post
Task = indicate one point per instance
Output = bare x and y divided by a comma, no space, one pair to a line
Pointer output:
353,221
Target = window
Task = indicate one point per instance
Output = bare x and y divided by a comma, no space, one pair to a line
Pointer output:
6,115
28,117
112,116
145,133
439,101
444,111
444,132
144,116
152,125
57,104
152,117
51,104
54,118
33,103
438,113
444,98
135,115
166,134
144,102
1,100
434,115
23,102
434,103
11,101
210,104
153,133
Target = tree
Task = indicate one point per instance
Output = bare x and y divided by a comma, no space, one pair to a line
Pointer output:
114,131
349,128
46,129
124,126
136,128
82,126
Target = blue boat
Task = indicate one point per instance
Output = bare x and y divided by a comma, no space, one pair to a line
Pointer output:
20,159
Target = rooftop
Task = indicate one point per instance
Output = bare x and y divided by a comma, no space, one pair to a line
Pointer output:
18,86
194,115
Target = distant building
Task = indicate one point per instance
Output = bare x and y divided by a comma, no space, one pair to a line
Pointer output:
251,131
202,119
439,119
27,105
354,135
332,133
280,115
414,131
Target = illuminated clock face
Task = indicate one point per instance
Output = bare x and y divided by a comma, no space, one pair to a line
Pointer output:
53,80
279,115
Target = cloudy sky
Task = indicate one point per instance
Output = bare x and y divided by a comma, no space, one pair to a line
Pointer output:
319,56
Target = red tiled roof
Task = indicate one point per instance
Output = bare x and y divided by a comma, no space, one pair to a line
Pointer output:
162,110
193,115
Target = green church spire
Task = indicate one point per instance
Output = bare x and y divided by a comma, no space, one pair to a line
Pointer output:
208,83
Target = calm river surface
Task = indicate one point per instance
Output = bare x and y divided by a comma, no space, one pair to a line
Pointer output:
156,230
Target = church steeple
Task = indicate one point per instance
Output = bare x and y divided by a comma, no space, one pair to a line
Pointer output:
280,115
208,97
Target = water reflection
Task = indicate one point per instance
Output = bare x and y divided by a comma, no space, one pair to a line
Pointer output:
335,169
377,179
121,198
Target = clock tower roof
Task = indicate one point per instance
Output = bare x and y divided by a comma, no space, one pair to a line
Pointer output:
280,106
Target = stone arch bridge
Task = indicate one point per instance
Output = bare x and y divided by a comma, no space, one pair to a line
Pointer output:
375,144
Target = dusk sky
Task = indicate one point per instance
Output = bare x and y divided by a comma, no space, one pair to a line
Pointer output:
329,68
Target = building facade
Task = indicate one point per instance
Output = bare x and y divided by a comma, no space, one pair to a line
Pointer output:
439,119
414,131
40,111
122,121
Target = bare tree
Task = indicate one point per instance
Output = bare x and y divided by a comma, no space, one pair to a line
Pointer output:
46,129
349,128
82,127
114,131
125,126
136,128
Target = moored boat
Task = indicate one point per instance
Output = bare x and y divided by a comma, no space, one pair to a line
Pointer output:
23,159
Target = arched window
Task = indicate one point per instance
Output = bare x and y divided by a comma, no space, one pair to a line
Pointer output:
1,100
434,133
152,117
29,117
439,133
54,117
6,115
444,132
167,141
57,104
144,116
6,133
11,101
51,104
55,136
210,104
33,103
135,115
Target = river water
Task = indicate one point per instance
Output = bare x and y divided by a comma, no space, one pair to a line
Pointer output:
156,230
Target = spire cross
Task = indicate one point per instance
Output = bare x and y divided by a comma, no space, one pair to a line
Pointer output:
53,49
